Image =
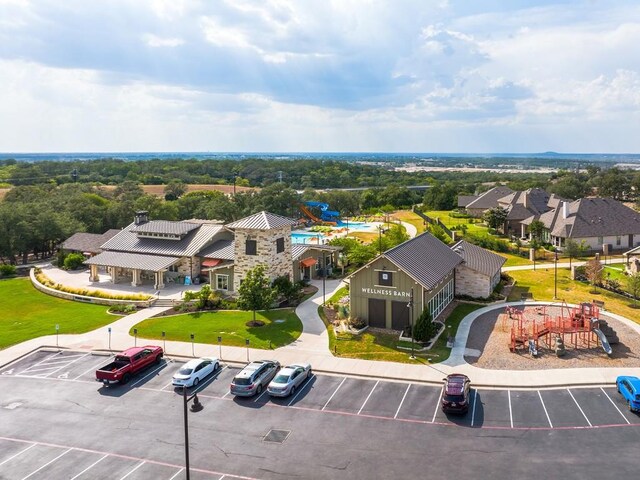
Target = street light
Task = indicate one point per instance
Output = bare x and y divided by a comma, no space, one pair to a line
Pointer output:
555,276
324,276
410,307
196,407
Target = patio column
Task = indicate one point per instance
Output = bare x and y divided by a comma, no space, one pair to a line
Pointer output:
114,274
93,273
523,230
135,281
159,280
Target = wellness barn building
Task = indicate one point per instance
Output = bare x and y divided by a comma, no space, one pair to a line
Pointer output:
426,270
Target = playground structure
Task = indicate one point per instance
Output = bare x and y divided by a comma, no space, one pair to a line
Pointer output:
331,217
582,324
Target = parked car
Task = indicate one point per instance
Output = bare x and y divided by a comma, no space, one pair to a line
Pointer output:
194,371
629,388
455,394
128,363
288,380
254,378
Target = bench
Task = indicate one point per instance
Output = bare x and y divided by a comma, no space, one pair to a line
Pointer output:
599,304
526,296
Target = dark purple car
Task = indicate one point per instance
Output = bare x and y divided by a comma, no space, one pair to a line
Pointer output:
455,394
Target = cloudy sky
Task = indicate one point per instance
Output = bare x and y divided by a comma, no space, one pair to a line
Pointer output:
320,76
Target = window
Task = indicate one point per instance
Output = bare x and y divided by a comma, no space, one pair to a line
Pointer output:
222,282
385,278
600,241
280,245
173,268
251,247
618,240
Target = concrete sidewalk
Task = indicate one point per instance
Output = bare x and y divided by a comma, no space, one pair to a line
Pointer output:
312,347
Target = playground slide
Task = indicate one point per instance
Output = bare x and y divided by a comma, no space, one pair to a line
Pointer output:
605,343
308,213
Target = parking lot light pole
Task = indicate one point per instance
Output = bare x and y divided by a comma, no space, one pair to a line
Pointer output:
193,351
57,331
109,330
220,347
135,337
164,341
324,276
246,342
196,407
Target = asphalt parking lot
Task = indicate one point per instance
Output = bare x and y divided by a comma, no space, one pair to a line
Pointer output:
328,399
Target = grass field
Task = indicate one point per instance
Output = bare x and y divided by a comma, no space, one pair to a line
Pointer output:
540,283
409,217
27,313
228,324
446,218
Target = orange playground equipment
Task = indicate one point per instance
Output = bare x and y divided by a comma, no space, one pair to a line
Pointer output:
580,324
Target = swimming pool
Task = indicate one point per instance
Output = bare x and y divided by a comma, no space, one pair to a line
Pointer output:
306,236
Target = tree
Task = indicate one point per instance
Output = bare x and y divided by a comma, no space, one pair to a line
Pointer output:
255,291
536,228
284,287
574,249
424,328
495,217
633,287
594,272
174,190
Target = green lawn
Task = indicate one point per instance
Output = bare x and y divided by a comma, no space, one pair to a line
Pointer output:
27,313
228,324
409,217
446,218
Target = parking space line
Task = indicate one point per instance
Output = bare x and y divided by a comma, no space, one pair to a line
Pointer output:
48,463
207,381
334,392
149,374
402,401
133,470
67,364
32,373
89,467
579,408
223,396
175,474
437,407
510,409
545,409
45,359
17,454
613,403
473,411
306,382
368,396
260,396
94,367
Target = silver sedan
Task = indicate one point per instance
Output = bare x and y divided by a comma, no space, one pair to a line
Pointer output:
289,379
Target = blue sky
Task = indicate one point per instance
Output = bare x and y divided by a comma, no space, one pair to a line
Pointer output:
320,76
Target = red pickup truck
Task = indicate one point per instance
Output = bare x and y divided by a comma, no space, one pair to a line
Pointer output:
128,363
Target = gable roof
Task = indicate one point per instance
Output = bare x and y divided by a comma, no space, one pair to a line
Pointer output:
489,199
190,244
424,258
478,258
88,242
298,249
222,249
527,203
132,260
595,217
262,221
464,200
165,226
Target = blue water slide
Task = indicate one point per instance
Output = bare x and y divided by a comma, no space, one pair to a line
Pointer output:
326,214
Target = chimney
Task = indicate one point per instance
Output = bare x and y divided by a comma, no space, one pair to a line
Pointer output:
141,217
525,196
565,209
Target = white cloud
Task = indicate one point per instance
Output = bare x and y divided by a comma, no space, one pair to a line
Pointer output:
156,41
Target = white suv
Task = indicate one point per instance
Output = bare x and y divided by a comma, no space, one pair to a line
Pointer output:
254,377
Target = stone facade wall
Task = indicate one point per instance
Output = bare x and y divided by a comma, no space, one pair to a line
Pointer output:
472,283
278,264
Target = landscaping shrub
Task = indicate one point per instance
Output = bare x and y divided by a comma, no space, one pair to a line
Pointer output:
73,261
357,323
424,328
7,270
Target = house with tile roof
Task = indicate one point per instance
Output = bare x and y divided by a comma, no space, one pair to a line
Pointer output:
603,224
486,201
526,205
160,252
420,273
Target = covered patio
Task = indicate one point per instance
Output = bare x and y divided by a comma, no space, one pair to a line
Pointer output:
135,268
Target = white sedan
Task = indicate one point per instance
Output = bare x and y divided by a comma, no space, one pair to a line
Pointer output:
289,379
194,371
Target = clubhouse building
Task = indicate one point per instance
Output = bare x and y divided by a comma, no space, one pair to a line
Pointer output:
420,273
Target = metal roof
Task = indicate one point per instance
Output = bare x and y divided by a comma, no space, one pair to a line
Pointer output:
223,249
425,258
262,221
165,227
88,242
127,240
132,260
297,249
478,258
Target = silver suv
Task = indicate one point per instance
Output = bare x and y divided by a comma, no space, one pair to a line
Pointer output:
254,377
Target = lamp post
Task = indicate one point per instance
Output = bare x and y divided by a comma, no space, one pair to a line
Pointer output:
109,330
380,238
410,307
135,337
555,276
196,407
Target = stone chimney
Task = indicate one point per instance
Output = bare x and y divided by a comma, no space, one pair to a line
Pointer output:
141,217
565,209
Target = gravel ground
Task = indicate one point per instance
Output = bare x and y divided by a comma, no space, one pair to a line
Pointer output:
490,335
